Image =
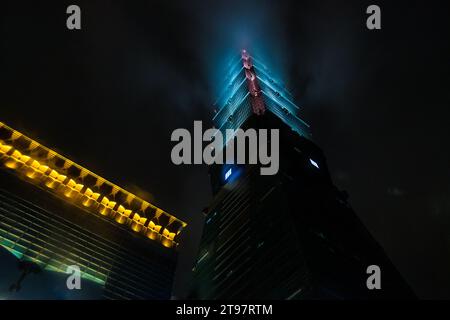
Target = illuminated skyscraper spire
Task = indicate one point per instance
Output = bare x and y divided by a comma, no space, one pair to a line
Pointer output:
250,89
291,235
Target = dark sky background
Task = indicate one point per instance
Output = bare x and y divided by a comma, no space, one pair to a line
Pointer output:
110,95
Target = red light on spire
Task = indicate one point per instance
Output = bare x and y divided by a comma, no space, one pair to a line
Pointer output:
252,83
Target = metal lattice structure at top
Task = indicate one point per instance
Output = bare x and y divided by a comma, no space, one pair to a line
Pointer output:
251,89
77,185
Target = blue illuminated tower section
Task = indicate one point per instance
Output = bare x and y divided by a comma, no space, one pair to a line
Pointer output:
291,235
250,90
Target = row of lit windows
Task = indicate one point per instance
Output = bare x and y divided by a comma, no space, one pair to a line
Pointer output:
66,187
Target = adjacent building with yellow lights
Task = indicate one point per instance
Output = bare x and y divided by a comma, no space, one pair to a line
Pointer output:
56,213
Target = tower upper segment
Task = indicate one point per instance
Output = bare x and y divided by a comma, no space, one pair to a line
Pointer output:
251,89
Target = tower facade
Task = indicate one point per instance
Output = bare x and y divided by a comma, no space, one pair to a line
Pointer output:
55,214
291,235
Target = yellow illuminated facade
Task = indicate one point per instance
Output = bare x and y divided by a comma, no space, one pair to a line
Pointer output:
51,171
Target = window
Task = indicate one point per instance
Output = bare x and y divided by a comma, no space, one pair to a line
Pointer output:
228,174
314,163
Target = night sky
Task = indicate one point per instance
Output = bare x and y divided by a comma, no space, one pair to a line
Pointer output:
110,95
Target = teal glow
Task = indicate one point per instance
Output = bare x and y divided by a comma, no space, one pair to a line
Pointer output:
230,97
61,269
223,96
278,100
232,109
17,254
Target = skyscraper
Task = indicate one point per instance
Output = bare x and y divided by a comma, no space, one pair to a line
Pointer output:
55,213
292,235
